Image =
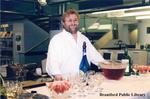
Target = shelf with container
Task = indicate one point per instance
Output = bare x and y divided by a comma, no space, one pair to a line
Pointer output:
6,45
6,50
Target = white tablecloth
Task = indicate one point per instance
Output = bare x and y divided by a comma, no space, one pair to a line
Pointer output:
131,87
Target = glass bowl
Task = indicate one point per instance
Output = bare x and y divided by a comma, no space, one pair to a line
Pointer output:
113,70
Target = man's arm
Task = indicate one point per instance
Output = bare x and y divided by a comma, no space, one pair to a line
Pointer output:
53,59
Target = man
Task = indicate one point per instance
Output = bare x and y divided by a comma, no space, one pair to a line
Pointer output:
65,48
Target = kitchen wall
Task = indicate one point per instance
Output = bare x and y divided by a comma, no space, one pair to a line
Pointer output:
144,38
133,36
128,36
104,41
33,43
123,32
131,32
128,31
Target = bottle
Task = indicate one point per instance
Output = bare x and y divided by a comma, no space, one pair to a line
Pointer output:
127,57
84,65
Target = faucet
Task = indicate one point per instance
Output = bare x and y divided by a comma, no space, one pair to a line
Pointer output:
119,43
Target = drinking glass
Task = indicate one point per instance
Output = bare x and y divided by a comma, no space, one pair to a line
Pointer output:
10,92
73,78
81,84
19,89
94,82
58,89
13,89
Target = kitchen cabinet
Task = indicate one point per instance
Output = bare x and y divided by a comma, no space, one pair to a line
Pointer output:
6,44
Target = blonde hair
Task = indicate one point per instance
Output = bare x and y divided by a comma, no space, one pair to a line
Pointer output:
68,12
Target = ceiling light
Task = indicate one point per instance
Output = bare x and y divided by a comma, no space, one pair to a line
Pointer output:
142,17
94,26
105,27
42,2
137,13
118,13
83,29
111,11
138,8
100,26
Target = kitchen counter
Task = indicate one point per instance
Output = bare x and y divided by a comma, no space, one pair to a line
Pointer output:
135,54
133,49
129,87
130,49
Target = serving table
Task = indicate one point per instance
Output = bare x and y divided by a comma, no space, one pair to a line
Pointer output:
129,87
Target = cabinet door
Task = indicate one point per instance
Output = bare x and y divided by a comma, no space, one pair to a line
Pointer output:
139,57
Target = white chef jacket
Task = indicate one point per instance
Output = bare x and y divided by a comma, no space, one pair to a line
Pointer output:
65,54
